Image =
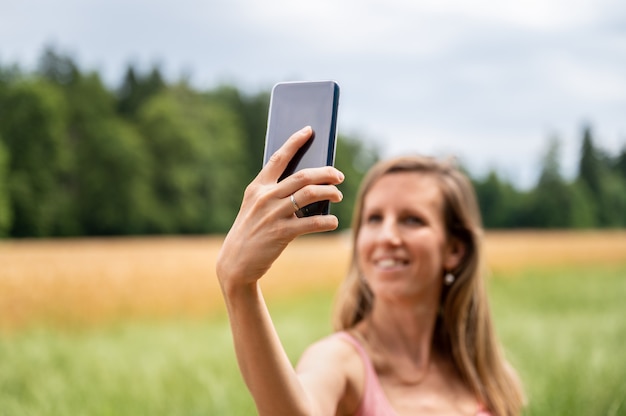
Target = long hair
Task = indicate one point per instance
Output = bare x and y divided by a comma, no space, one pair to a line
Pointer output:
464,329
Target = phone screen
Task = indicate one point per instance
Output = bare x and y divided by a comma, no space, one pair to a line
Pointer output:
294,105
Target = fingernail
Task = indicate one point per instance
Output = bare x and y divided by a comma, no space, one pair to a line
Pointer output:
305,130
341,176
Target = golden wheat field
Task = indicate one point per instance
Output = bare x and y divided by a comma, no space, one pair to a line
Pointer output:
92,281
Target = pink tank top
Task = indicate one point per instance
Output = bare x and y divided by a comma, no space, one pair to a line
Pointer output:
374,402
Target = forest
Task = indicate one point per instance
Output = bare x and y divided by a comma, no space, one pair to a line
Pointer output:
79,158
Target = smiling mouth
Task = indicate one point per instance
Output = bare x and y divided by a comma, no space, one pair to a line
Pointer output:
390,263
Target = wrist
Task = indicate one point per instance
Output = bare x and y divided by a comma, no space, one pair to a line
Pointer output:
234,289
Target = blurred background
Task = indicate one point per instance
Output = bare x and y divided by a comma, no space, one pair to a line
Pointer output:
139,106
128,131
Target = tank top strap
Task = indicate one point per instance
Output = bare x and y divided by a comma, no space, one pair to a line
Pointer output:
374,402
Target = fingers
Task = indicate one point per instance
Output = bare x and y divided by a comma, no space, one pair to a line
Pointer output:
315,224
327,175
310,194
305,187
278,162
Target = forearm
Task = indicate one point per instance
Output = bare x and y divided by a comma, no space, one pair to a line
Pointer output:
264,226
265,367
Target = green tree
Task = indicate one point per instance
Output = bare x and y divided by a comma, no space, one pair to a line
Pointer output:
353,157
5,201
196,153
9,74
619,164
554,202
612,202
582,214
110,180
57,68
6,78
32,126
137,89
605,186
251,112
590,167
499,201
619,170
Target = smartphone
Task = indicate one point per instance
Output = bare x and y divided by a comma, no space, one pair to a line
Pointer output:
294,105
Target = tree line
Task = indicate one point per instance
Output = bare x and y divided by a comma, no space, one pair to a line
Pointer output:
149,157
594,198
78,158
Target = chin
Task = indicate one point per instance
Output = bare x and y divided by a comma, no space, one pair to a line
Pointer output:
400,291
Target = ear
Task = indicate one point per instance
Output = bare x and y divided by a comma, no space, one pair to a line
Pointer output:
455,251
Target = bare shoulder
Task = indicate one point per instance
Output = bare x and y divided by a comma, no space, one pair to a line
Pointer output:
333,374
332,347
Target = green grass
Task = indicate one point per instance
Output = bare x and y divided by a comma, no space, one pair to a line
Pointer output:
564,330
172,368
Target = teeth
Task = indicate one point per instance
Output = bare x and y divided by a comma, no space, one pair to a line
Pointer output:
389,263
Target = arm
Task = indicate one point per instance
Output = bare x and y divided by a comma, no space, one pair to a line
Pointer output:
320,383
264,227
332,372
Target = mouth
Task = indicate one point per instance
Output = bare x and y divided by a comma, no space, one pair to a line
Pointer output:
390,263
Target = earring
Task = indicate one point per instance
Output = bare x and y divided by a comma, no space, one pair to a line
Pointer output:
448,278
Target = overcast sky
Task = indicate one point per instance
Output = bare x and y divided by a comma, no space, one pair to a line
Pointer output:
486,81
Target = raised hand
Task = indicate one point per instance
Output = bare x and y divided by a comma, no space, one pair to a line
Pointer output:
266,222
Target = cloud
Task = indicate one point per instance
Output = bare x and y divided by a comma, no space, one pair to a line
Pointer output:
488,81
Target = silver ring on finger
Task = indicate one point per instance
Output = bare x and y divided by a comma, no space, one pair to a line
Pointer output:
296,207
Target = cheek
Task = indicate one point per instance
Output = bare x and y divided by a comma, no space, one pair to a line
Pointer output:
365,244
430,252
361,248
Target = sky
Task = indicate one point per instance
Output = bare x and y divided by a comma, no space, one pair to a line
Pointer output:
487,82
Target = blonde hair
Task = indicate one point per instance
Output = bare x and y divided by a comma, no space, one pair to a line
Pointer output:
464,329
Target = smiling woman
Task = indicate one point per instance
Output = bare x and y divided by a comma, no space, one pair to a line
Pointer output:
422,214
402,235
414,331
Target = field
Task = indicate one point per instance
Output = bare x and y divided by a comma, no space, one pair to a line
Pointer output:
137,326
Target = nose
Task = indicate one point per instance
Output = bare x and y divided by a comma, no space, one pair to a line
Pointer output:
389,232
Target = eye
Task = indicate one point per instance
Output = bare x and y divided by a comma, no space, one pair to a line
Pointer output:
373,218
413,220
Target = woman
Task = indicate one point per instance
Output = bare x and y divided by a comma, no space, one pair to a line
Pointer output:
414,330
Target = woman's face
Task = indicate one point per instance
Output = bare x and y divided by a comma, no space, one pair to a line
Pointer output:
402,248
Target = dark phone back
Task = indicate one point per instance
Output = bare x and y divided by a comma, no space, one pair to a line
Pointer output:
294,105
